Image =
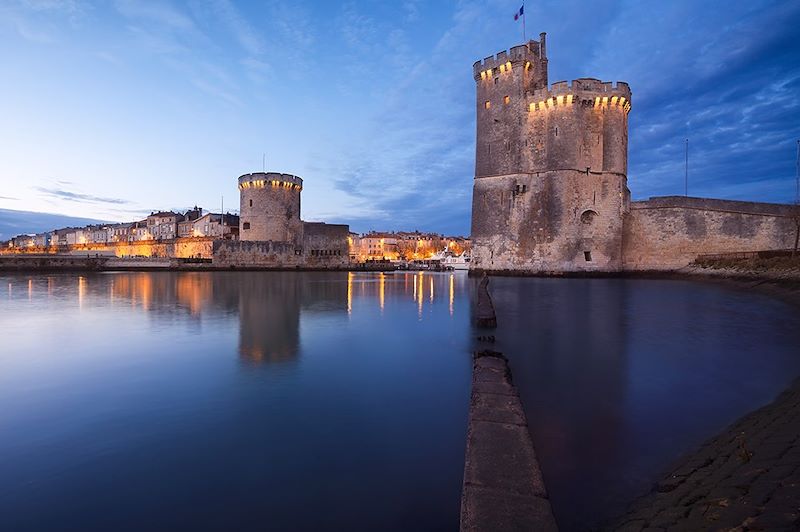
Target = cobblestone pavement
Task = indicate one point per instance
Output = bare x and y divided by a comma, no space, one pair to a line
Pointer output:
747,478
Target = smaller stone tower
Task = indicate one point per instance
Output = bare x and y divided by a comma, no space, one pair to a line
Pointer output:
270,207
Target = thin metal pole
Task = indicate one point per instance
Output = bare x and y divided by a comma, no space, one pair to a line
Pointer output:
686,170
797,175
263,162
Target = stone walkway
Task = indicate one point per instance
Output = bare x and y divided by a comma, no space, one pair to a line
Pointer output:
747,478
503,487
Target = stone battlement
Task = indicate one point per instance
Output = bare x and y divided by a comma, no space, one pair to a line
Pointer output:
599,94
533,50
274,179
719,205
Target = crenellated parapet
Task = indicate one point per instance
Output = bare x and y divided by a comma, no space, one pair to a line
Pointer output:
529,56
588,92
270,179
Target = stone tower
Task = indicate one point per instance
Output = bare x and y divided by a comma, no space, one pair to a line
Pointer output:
269,207
550,191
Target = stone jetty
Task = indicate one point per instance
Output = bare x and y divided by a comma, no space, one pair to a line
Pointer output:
503,488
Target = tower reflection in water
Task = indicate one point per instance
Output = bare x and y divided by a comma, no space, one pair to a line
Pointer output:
268,304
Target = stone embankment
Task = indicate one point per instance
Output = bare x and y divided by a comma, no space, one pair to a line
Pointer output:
485,316
503,488
747,478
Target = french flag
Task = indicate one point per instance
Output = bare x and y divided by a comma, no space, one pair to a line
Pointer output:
520,12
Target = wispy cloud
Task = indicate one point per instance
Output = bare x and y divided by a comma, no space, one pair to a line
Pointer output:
69,195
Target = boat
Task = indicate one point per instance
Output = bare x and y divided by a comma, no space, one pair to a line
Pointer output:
457,262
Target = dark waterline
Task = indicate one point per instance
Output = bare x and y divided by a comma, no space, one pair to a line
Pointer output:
620,377
311,401
233,401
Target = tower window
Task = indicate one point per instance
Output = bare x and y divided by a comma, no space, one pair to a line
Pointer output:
251,203
507,100
246,225
487,104
587,255
556,131
587,217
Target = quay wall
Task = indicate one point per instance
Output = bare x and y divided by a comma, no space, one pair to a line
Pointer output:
30,262
669,233
182,248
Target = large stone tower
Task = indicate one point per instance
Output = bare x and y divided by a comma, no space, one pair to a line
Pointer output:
550,190
269,207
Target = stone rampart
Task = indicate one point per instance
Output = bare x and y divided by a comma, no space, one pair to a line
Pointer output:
253,254
522,223
181,248
668,233
326,245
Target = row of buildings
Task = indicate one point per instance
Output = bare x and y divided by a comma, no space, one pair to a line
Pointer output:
158,226
166,226
408,246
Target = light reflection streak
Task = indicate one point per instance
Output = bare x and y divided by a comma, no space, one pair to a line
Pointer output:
419,298
381,290
349,293
452,291
81,291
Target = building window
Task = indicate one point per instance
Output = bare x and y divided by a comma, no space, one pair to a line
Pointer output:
251,203
246,225
507,100
487,104
587,255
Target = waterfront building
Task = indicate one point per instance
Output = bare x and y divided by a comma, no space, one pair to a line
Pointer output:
120,232
163,225
186,223
216,226
98,234
140,231
77,235
42,240
22,242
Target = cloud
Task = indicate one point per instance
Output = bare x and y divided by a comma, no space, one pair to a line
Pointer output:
78,197
241,30
158,13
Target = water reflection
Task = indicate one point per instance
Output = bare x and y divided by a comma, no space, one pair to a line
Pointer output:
621,377
268,305
227,400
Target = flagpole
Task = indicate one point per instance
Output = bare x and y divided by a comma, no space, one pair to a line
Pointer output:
524,40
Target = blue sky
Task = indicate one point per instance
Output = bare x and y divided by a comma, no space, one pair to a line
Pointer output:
113,109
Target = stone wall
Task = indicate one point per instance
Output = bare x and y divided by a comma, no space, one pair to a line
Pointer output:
325,246
246,254
195,247
547,222
670,232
